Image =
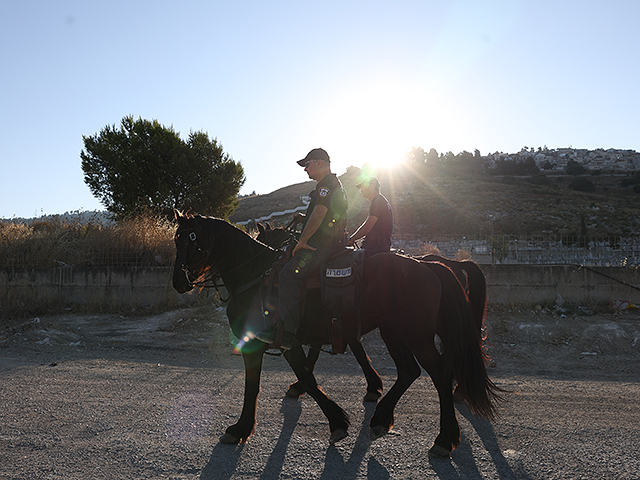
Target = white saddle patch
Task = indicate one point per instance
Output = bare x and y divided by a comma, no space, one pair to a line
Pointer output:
338,272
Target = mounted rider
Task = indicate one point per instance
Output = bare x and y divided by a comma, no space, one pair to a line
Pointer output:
378,226
323,235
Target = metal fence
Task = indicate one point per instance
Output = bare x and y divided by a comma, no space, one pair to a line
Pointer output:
534,249
499,249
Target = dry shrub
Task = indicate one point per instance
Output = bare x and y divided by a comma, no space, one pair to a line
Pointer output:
463,254
430,249
143,240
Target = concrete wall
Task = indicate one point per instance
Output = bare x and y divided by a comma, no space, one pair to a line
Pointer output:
541,284
507,284
110,286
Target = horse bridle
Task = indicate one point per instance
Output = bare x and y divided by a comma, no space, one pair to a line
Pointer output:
185,258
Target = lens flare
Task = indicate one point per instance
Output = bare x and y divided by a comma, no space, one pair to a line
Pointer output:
247,344
190,418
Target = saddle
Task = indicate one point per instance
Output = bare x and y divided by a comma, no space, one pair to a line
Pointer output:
340,281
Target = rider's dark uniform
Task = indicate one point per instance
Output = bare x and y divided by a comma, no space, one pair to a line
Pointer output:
328,239
379,238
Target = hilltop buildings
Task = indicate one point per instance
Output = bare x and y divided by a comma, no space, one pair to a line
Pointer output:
557,159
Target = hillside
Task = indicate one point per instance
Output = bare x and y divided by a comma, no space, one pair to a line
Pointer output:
289,197
480,204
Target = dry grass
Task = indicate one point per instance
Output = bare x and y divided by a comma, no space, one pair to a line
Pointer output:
145,240
429,249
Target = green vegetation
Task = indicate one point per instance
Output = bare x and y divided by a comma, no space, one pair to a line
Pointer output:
582,184
429,197
144,165
436,200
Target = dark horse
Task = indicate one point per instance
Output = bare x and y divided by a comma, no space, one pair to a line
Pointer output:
407,300
467,272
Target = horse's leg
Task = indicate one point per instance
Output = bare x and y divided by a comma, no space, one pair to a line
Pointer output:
374,382
241,431
338,418
449,437
408,371
295,389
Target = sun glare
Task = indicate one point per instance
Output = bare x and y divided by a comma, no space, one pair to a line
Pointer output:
376,124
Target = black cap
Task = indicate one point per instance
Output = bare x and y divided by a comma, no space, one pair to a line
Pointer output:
368,181
315,154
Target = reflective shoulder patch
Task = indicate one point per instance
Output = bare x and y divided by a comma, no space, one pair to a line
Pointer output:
324,192
338,272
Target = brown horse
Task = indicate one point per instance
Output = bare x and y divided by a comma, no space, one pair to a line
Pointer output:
407,300
467,272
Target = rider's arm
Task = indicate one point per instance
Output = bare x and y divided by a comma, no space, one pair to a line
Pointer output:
312,226
363,229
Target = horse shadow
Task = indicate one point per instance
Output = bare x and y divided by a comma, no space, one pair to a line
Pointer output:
335,465
224,459
291,411
462,464
223,462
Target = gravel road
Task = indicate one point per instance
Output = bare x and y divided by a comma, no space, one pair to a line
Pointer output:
137,397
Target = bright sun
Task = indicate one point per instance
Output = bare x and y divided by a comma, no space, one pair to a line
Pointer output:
376,124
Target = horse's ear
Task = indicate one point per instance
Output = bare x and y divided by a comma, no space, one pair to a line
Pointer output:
268,226
260,228
180,217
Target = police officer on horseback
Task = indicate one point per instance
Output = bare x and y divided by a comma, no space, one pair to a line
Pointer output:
323,235
378,226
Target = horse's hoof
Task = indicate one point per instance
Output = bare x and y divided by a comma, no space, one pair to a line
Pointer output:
372,396
229,439
377,432
438,451
293,392
338,435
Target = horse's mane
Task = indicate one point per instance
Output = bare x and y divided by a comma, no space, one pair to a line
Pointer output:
230,248
275,237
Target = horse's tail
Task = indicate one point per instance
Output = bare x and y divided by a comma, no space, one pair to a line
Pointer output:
475,281
463,347
477,288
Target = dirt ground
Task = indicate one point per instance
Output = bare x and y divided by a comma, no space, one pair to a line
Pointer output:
136,397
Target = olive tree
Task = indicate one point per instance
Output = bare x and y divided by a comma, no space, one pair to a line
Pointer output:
143,164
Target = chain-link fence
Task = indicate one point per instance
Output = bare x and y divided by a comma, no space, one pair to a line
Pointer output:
534,249
148,242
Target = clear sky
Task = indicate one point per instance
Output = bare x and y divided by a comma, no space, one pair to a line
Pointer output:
366,80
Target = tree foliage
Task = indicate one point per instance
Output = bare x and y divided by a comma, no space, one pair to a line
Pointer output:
518,166
416,156
144,165
574,168
582,184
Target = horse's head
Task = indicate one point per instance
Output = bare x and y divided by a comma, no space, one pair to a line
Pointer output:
192,251
274,237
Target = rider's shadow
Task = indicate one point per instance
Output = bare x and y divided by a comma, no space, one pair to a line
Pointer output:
462,464
335,465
